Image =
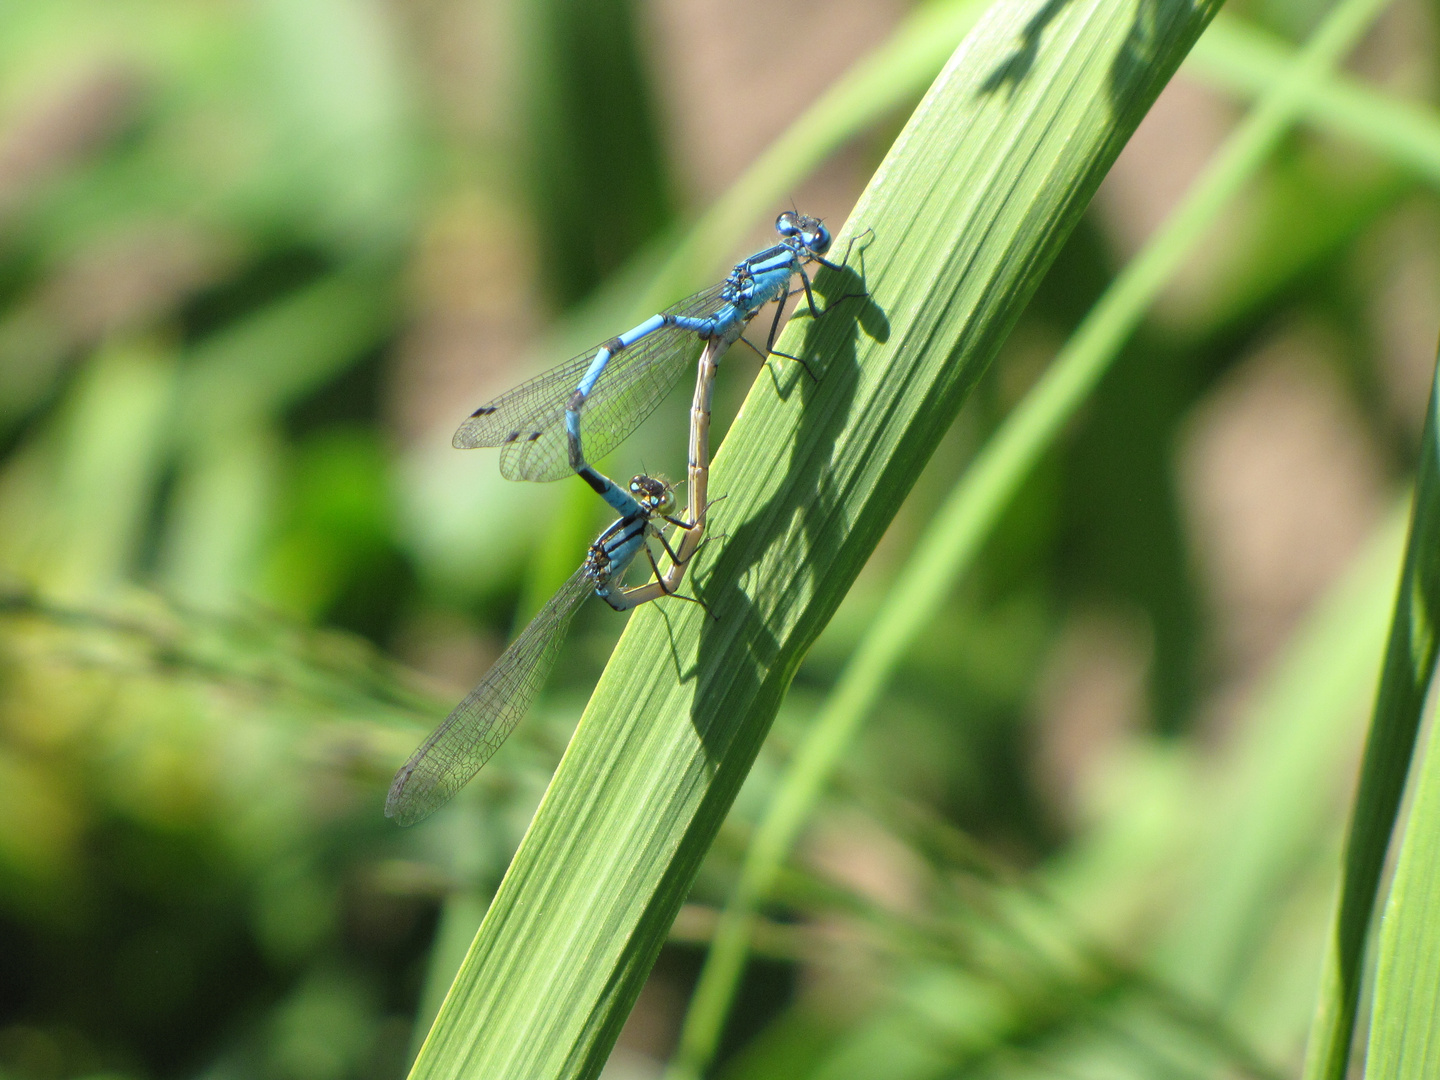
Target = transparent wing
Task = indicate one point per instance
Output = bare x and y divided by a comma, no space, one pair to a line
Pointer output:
478,726
528,422
623,397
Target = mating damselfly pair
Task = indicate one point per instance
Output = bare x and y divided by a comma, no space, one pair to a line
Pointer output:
607,391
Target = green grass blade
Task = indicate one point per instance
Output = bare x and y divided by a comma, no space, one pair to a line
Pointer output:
77,528
1404,1037
896,71
1233,55
235,383
1404,681
953,539
968,210
1405,1020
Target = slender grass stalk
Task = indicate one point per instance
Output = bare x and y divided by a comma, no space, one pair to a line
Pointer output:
951,542
1407,984
1235,56
967,212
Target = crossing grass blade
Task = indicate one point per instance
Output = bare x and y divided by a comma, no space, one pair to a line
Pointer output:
1406,984
1235,56
967,212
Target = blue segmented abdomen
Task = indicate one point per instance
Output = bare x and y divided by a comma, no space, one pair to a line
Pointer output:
613,346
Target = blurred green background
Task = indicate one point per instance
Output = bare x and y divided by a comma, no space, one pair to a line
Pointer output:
258,258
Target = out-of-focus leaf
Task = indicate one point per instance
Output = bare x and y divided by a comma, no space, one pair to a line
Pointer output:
237,384
340,114
1276,794
599,179
219,515
73,509
271,359
1220,882
333,559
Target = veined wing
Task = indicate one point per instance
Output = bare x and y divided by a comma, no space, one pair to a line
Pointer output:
528,422
627,392
477,727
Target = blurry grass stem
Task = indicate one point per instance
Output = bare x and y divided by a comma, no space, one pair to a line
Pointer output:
1236,56
952,541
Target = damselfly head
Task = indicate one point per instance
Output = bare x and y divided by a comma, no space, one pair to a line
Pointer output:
654,494
810,231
